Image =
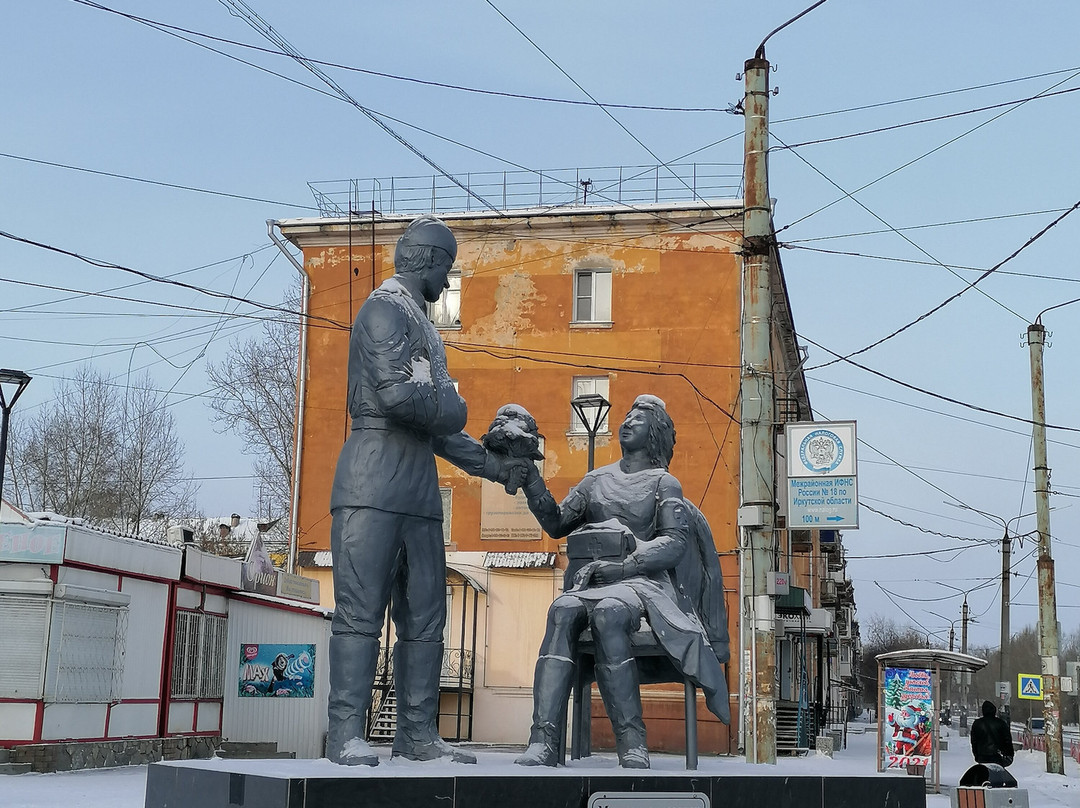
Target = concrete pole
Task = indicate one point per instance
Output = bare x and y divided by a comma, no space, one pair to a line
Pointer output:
965,677
1048,625
757,460
1006,568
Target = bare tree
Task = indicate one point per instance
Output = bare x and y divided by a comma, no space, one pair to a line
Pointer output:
103,453
255,398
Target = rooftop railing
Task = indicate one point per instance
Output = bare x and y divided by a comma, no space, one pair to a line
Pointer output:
515,190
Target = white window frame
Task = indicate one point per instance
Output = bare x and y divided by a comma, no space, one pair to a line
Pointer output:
589,385
445,313
592,296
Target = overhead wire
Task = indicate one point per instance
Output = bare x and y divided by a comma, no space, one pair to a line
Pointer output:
850,194
932,394
861,204
591,97
970,285
393,76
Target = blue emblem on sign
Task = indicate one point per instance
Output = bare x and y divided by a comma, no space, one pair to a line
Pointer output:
821,451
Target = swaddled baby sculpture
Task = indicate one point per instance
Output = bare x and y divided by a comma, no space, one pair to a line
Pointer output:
629,530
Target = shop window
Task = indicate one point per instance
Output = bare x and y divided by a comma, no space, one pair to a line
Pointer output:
198,669
23,623
85,661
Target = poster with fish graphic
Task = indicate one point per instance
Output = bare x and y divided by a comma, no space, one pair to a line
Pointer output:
275,670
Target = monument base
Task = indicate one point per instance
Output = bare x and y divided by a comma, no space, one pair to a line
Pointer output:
495,780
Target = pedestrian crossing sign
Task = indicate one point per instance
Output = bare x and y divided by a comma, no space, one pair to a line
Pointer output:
1029,686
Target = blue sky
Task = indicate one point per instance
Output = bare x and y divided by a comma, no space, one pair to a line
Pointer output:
88,88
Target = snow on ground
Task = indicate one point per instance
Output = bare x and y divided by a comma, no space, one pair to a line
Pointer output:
125,787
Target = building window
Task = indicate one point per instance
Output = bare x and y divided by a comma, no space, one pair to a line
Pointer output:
24,622
583,386
85,662
198,670
447,497
446,311
592,296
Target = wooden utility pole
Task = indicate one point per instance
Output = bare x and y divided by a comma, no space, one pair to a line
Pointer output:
1048,626
757,457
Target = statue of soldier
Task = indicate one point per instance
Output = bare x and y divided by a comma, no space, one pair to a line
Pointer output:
386,534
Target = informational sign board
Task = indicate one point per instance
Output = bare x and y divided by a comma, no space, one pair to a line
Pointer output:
908,713
504,517
822,484
1029,686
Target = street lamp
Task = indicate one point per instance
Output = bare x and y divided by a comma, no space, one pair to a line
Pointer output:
592,409
20,380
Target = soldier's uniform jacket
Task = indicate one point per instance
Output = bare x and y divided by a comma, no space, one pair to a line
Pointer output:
404,411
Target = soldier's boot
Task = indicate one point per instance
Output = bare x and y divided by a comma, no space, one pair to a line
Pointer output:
621,692
417,668
551,689
352,671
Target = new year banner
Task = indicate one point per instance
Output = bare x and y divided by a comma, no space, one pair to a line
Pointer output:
909,718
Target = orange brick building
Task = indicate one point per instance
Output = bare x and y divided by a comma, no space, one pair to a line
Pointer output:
547,304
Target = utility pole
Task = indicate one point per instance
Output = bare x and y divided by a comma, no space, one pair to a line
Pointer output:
1006,552
1048,626
963,650
757,462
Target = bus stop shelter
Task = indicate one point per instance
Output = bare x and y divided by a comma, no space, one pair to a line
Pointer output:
909,698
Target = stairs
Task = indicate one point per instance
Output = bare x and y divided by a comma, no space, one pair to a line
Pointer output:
385,723
787,728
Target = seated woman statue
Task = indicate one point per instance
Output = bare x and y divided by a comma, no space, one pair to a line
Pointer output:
632,519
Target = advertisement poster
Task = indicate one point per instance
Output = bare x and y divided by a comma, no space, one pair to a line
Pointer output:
283,671
908,713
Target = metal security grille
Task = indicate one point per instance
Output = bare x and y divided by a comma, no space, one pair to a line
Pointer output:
24,622
86,652
198,670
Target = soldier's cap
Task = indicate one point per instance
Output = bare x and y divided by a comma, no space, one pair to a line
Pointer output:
428,231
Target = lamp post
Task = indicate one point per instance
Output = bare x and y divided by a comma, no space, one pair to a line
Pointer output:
592,409
20,380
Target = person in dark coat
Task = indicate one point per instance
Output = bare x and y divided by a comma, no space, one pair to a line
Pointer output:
991,738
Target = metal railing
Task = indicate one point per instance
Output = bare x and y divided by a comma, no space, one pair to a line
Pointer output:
515,190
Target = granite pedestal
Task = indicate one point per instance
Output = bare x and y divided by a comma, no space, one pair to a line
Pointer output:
496,782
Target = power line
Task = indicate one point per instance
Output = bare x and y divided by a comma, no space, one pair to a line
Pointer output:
160,183
242,10
896,260
973,220
927,96
851,195
933,119
314,319
951,298
393,76
933,394
591,97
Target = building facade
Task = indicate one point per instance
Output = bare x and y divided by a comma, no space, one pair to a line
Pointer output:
545,305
